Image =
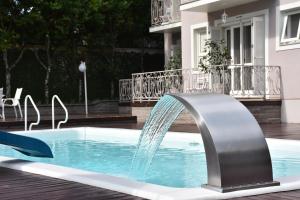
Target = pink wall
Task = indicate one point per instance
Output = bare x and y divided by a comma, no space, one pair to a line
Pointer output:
286,59
289,60
189,18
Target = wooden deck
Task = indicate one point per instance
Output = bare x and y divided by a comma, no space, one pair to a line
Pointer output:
282,131
16,185
25,186
291,195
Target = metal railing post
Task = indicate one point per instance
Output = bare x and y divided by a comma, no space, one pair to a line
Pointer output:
53,116
223,79
25,113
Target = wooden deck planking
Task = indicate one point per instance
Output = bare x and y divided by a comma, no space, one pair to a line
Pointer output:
16,185
289,195
282,131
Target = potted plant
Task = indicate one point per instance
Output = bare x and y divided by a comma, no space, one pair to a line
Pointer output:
216,62
174,81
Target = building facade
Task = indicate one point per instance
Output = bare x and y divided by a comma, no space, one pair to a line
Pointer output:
262,36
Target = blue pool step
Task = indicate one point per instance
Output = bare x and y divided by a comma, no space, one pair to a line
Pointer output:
26,145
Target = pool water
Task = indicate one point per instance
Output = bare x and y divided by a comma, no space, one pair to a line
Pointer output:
180,161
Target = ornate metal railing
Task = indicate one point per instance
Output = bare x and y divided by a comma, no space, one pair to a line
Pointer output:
125,91
165,12
248,81
238,81
152,85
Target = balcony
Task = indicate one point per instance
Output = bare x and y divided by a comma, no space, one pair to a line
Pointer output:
165,13
250,82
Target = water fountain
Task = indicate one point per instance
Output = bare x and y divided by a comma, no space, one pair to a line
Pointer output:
236,151
161,118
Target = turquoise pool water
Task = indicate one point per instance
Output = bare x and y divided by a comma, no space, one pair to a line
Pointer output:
180,161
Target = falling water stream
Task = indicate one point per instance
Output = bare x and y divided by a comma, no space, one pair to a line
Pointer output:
158,123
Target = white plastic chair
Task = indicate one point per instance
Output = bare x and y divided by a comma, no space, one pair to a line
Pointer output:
14,102
2,104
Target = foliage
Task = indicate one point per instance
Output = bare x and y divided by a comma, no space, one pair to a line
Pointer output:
217,56
63,32
174,61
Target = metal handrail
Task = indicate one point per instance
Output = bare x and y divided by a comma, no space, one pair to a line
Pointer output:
65,109
25,113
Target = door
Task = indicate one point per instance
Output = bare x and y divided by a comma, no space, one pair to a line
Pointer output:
247,48
242,59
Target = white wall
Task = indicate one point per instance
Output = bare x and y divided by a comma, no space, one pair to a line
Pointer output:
167,46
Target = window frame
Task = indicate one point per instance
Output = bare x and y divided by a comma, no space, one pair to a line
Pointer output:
199,50
194,29
280,10
246,19
284,25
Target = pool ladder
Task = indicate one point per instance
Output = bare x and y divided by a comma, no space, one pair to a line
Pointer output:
28,97
55,97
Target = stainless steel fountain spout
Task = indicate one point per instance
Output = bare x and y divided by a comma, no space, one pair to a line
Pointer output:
236,150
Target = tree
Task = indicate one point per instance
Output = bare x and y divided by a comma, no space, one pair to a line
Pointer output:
13,18
125,24
217,56
61,28
60,33
216,63
175,61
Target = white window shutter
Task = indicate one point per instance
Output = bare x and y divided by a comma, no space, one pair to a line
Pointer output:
258,41
259,54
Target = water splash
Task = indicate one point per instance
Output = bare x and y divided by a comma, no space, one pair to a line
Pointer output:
158,123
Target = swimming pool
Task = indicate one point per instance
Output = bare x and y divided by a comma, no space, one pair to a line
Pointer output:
180,162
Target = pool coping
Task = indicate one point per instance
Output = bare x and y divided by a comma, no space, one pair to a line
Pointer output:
145,190
140,189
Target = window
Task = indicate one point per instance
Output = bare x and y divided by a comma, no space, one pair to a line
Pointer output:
236,45
241,39
228,39
245,39
247,44
290,32
200,37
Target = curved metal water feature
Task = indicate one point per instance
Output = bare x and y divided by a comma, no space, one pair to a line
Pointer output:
236,151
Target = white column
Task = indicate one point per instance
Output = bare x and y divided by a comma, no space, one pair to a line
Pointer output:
85,95
167,46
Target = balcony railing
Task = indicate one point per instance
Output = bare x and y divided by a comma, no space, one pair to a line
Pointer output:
262,82
125,90
165,12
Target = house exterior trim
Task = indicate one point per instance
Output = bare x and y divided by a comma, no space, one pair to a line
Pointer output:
165,27
280,9
264,12
194,4
211,5
193,28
